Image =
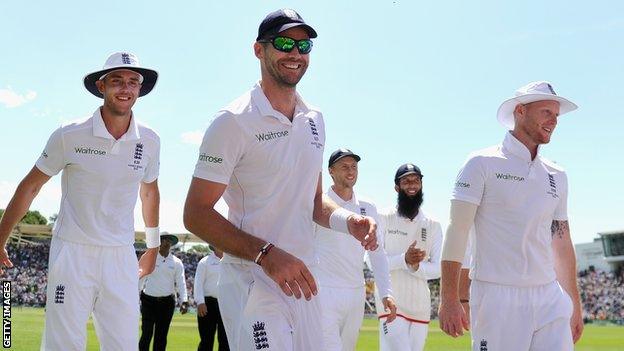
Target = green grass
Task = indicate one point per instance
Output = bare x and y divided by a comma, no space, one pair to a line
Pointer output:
27,326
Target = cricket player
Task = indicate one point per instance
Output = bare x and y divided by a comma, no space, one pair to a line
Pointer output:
413,242
524,294
340,275
106,160
158,295
264,154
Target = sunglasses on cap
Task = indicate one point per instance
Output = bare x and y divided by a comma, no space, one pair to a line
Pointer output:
286,44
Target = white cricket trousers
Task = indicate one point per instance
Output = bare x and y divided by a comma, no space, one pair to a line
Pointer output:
402,334
257,315
520,318
343,311
85,279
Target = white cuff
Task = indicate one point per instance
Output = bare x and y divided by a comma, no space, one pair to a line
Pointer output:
152,237
338,220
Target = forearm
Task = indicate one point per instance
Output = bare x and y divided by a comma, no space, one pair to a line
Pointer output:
428,270
212,227
323,208
379,263
565,259
18,206
150,203
449,282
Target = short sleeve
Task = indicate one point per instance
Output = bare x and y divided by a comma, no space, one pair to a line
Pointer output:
470,182
52,159
561,212
221,149
153,168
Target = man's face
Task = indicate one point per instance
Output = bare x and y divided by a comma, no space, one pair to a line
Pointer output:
344,172
121,90
285,68
410,184
537,120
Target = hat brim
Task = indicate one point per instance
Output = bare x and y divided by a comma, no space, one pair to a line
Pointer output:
150,77
173,238
505,111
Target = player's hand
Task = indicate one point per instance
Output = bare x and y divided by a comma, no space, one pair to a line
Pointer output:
183,307
466,306
147,262
290,273
4,259
202,310
364,229
576,323
414,255
389,306
453,319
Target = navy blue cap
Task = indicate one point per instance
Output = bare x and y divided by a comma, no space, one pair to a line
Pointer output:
281,20
405,170
340,153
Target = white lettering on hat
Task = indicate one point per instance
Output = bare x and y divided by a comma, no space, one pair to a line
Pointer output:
291,13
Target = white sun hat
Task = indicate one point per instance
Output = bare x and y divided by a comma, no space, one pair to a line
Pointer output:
117,61
535,91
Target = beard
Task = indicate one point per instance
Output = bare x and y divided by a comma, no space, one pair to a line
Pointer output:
408,206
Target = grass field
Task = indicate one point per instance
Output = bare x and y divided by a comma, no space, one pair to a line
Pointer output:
27,326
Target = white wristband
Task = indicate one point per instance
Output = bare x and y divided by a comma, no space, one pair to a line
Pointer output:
152,237
338,220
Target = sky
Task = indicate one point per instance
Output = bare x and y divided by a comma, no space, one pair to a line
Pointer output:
397,81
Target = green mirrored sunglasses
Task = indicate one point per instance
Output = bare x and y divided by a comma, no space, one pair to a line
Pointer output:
286,44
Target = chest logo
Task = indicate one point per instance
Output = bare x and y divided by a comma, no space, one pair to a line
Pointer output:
271,135
507,176
315,134
553,186
137,157
423,234
85,150
363,211
396,231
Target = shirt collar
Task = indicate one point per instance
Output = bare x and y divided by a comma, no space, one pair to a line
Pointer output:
338,200
515,147
99,128
264,105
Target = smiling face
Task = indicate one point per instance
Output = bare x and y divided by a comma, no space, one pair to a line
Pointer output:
283,68
120,89
344,172
536,121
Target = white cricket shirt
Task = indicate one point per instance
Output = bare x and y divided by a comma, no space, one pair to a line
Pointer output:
409,286
100,180
518,199
271,168
341,256
206,278
167,278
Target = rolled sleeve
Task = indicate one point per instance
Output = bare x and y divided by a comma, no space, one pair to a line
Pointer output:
470,182
221,149
52,159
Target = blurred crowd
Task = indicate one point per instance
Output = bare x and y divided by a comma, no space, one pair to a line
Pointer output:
602,292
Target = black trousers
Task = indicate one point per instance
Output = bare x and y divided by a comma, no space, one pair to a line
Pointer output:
156,314
210,323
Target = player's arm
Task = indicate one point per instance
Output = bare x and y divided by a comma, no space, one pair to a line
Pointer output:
198,288
150,204
565,267
430,268
181,287
328,214
201,219
452,316
379,263
24,195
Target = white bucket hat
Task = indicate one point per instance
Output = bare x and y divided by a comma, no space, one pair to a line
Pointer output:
122,60
535,91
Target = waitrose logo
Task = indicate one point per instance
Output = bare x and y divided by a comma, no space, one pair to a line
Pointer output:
88,151
509,177
271,135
